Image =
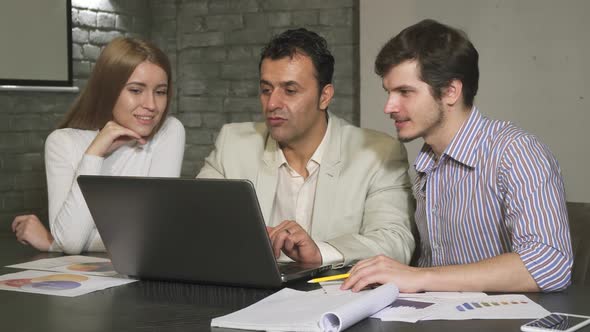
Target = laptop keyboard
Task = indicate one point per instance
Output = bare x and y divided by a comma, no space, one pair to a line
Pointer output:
290,267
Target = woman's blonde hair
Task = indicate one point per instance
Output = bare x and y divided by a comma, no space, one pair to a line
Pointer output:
94,107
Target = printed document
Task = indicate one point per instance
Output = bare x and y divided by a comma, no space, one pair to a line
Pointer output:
60,284
510,306
76,264
292,310
331,309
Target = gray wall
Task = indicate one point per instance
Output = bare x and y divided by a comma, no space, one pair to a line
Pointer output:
214,48
533,64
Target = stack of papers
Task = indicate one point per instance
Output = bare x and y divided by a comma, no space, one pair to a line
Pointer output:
71,264
70,276
292,310
331,309
60,284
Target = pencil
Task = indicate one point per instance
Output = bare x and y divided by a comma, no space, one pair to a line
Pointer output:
329,278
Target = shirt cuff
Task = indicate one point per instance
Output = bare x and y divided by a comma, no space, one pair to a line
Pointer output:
330,255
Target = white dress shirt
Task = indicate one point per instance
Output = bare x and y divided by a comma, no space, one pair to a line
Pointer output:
295,196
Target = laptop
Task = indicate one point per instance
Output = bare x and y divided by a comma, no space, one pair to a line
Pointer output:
193,230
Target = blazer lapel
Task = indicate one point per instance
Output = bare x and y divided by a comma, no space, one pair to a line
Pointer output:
266,180
327,186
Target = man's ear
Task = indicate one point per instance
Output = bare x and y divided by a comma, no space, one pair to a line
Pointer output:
453,93
326,96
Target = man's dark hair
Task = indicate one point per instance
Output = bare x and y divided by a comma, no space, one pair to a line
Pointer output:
305,42
442,53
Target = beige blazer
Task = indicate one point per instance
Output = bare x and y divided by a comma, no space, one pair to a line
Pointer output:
363,203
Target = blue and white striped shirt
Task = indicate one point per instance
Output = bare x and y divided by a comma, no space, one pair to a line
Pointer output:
495,190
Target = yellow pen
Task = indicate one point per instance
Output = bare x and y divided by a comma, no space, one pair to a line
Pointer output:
329,278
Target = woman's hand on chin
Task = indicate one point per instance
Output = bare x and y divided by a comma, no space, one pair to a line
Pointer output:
112,137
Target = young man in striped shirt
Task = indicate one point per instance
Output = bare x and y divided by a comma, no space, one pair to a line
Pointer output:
491,209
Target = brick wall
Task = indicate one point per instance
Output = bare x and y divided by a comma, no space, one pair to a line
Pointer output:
214,47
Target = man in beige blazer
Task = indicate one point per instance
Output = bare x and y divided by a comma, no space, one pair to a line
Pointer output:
330,192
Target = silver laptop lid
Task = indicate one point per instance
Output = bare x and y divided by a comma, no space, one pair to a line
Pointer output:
196,230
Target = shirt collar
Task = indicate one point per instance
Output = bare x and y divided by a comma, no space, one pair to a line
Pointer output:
462,147
317,155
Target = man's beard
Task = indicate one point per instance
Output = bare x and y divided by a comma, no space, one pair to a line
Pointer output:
431,123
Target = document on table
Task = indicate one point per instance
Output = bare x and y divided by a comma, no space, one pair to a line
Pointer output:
292,310
60,284
76,264
408,310
331,309
413,307
510,306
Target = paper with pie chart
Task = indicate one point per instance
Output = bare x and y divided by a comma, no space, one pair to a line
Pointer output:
60,284
72,264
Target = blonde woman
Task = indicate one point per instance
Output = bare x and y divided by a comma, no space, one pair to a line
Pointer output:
117,126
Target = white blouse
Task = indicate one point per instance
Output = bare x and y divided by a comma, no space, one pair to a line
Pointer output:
70,221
